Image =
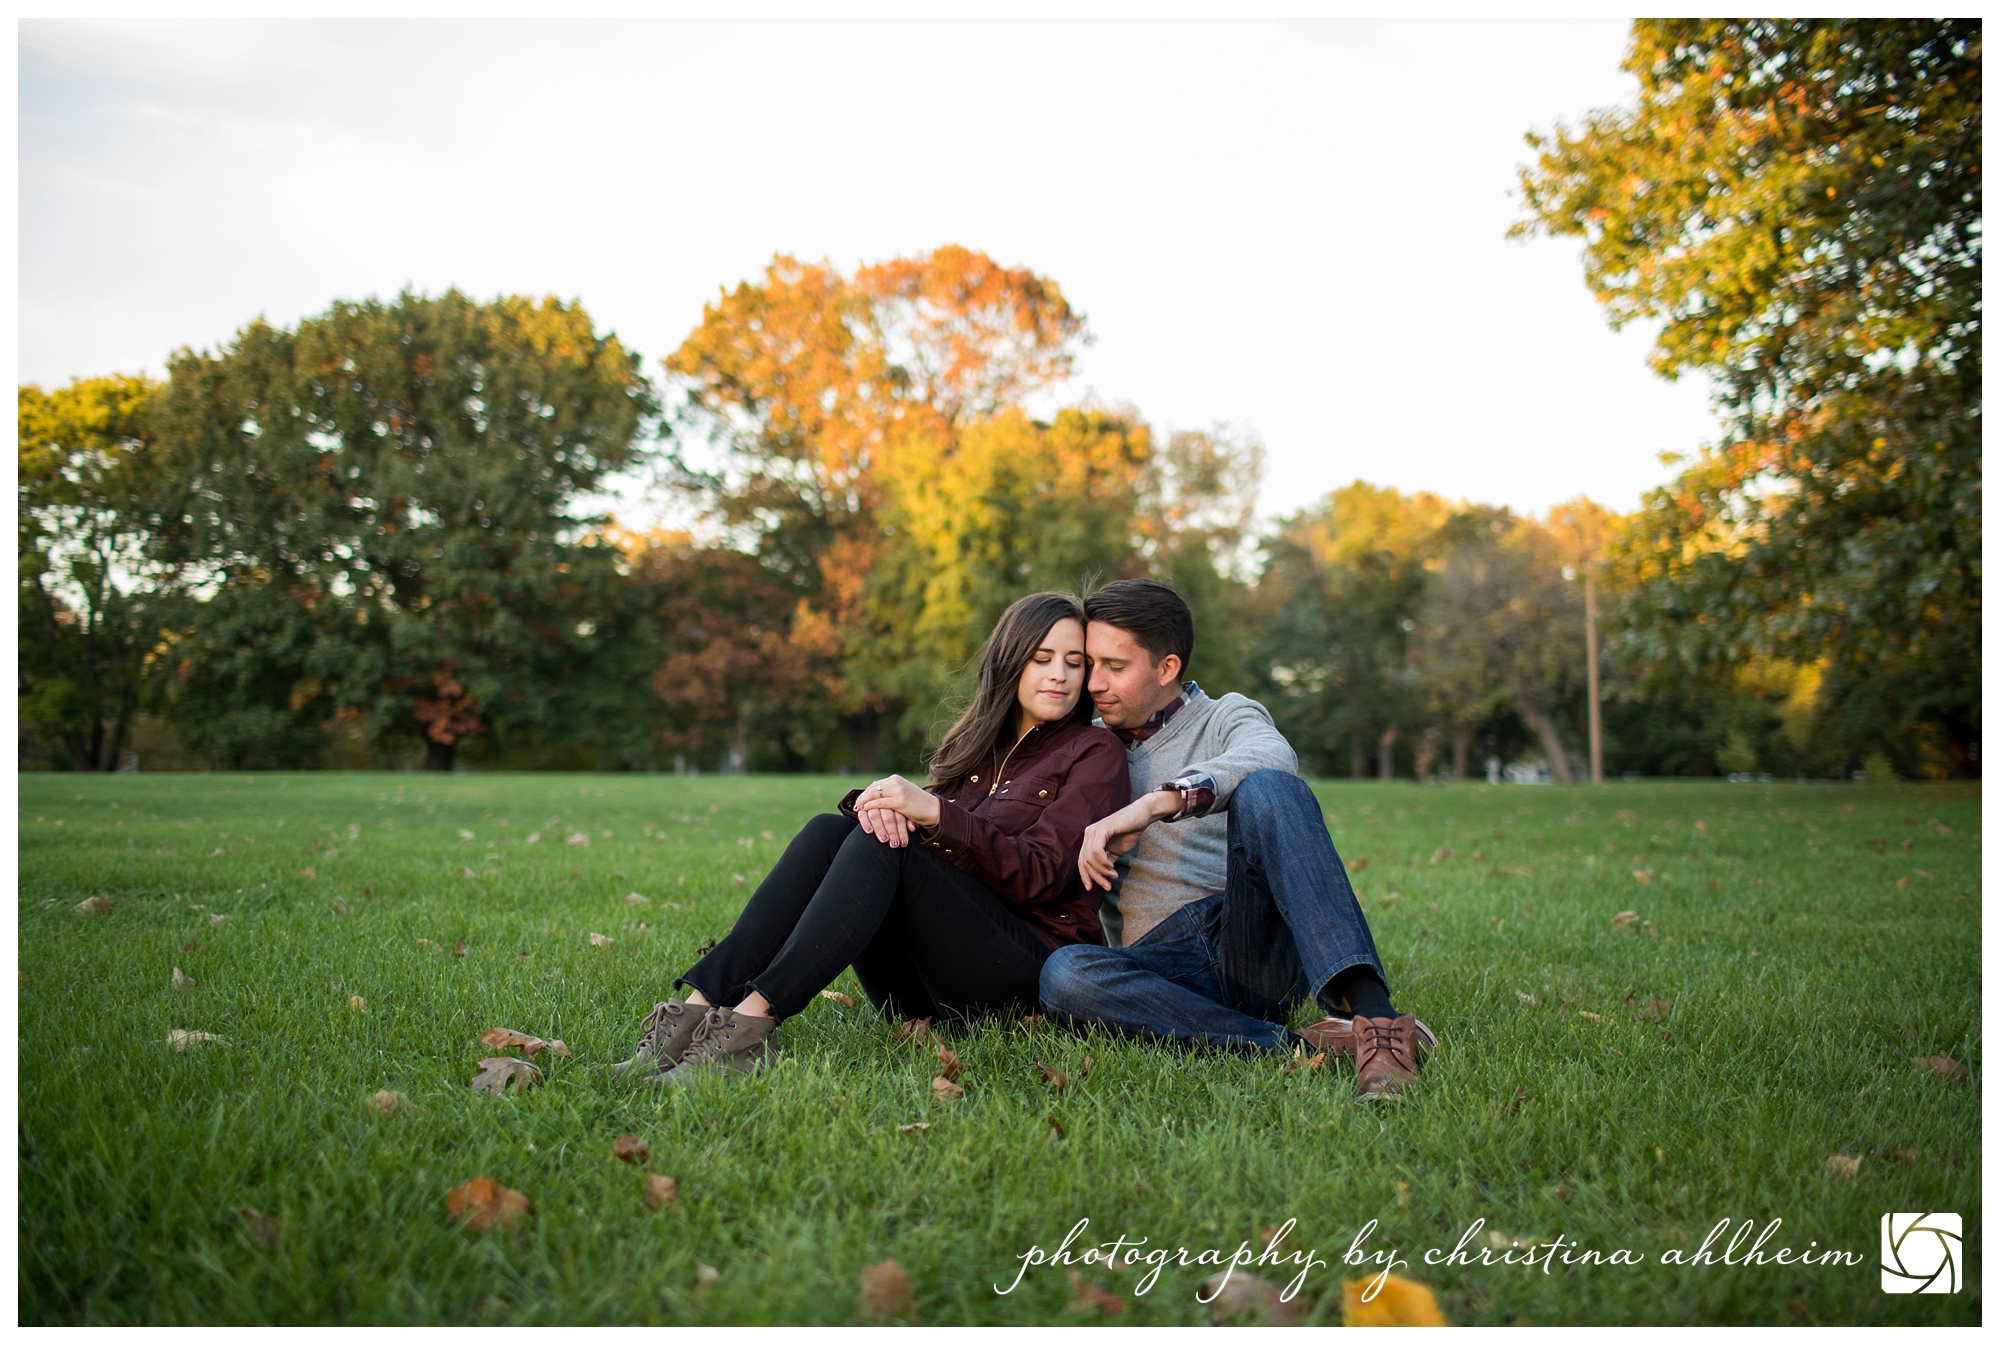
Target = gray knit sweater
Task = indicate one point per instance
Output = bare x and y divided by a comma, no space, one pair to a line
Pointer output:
1186,860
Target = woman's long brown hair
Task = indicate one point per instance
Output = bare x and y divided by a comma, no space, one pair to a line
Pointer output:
1015,638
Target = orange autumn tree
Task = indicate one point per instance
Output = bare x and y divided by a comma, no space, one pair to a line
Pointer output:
807,385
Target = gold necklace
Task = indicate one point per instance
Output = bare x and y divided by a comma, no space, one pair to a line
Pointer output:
1009,757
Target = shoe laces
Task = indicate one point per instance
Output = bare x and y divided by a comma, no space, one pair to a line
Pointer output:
708,1037
659,1026
1376,1035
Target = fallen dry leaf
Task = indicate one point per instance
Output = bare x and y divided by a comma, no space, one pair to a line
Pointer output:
659,1192
458,949
1247,1296
1642,877
1057,1126
1843,1165
507,1039
180,982
844,1001
885,1292
1656,1010
181,1039
497,1072
1902,1155
630,1149
216,919
261,1228
95,905
1624,919
1051,1075
430,944
636,899
1593,1017
915,1128
1033,1020
599,941
913,1029
342,908
357,1003
1524,997
944,1090
1563,1191
1358,865
1441,854
1399,1302
307,873
482,1203
386,1103
949,1064
1941,1065
1090,1298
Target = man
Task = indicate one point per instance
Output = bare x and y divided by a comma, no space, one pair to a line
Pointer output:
1226,906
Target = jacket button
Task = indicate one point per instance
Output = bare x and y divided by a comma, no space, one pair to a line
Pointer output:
1044,793
975,779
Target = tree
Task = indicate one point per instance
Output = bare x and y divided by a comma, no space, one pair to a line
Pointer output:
87,474
403,475
1798,203
809,381
1344,578
1498,625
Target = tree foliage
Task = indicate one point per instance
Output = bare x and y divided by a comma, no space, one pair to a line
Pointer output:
1798,203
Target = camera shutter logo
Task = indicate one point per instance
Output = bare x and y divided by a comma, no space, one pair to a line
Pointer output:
1922,1253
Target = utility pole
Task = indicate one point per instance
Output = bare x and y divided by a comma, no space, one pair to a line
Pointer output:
1590,652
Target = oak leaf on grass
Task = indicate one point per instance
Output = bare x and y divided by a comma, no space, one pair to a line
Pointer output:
913,1029
630,1149
483,1203
1090,1298
1941,1065
885,1292
659,1192
262,1229
507,1039
497,1072
1246,1296
949,1065
180,981
388,1103
95,905
944,1090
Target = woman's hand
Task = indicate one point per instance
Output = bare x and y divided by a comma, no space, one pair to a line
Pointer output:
1107,838
892,806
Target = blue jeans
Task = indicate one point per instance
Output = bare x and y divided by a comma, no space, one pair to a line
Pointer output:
1228,969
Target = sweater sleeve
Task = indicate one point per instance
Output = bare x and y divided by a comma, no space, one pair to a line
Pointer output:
1037,864
1248,741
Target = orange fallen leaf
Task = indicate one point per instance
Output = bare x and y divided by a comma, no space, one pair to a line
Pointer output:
1843,1165
1053,1076
386,1103
1033,1020
434,947
1902,1155
949,1064
844,1001
1399,1302
1941,1065
1656,1010
1247,1296
659,1192
95,905
913,1029
307,873
1441,854
483,1203
630,1149
357,1003
1358,865
499,1071
458,949
1090,1298
885,1292
944,1090
262,1228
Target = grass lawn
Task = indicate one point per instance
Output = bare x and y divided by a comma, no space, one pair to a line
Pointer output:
1812,940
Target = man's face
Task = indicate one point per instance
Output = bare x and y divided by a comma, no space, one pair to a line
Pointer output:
1126,684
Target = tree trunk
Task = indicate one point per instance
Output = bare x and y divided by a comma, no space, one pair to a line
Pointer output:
1355,757
1427,754
1552,744
1461,752
1385,754
440,756
866,737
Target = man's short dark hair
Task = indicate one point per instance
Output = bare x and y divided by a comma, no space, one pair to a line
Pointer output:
1150,612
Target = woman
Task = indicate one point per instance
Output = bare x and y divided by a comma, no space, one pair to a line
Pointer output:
945,900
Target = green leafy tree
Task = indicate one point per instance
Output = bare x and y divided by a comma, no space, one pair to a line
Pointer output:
87,622
402,477
1797,202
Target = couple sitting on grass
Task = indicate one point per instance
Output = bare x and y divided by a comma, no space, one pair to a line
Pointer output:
1166,874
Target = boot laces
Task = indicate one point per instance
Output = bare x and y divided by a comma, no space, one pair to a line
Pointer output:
659,1026
708,1037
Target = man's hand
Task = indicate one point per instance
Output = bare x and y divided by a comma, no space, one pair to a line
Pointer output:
892,807
1107,838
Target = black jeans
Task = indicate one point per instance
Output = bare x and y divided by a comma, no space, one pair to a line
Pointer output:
924,938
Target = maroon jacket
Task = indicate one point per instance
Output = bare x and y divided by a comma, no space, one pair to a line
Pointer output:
1020,830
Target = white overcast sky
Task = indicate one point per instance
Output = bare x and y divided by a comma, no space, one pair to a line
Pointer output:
1294,228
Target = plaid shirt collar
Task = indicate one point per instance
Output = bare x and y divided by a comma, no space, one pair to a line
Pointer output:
1160,716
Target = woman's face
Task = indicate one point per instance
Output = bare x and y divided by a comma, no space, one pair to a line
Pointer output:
1054,677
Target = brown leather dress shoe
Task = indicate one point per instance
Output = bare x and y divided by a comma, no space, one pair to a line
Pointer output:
1335,1035
1385,1056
